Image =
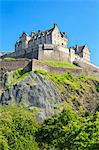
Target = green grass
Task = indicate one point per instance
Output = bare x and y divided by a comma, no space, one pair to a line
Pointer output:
59,63
94,79
66,79
16,76
68,84
9,58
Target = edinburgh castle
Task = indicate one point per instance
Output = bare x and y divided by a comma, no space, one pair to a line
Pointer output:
49,44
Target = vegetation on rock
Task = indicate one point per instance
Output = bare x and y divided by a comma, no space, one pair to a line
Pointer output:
59,63
71,128
75,90
16,76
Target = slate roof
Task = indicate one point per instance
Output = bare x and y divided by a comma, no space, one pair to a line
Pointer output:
63,34
78,49
40,33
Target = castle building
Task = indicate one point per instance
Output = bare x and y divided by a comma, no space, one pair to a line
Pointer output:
49,44
50,36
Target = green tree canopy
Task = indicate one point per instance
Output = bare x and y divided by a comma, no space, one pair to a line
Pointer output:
17,129
69,131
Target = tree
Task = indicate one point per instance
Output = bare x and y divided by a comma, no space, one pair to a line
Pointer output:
17,129
69,131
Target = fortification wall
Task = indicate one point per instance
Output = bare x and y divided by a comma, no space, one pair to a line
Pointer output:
86,65
37,65
31,52
51,52
88,68
10,65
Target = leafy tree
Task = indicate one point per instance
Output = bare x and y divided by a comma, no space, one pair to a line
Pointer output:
17,129
69,131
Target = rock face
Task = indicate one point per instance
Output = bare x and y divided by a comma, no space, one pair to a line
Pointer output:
37,91
34,90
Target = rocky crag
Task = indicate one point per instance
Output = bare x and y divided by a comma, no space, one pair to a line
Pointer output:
48,92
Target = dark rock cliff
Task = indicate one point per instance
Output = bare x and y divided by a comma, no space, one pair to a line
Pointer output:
34,90
37,91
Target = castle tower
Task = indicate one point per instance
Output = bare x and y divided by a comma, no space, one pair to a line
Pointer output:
59,38
22,42
86,54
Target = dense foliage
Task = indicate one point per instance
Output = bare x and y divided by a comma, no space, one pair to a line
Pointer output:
70,131
75,82
17,129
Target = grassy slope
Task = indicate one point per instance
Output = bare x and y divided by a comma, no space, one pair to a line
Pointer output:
16,76
59,63
73,89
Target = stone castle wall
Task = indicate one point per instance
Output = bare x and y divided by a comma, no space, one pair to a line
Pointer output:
10,65
87,66
53,53
37,65
48,51
28,65
29,53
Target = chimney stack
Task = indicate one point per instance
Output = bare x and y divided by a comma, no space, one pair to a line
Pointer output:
76,47
55,25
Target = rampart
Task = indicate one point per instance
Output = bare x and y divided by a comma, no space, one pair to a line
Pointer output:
29,53
46,51
52,52
31,65
38,65
10,65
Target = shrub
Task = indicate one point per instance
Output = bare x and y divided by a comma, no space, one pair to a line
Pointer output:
17,129
70,131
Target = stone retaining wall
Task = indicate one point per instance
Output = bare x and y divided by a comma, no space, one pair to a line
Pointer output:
37,65
11,65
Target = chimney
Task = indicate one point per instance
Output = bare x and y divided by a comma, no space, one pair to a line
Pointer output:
32,34
55,25
76,47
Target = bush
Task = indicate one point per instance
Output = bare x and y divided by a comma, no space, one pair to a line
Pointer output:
69,131
17,129
97,88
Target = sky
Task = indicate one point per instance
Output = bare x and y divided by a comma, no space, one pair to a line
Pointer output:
78,18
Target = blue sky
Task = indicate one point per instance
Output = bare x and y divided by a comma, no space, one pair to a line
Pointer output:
78,18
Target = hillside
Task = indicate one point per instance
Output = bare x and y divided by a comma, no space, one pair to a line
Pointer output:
46,111
50,92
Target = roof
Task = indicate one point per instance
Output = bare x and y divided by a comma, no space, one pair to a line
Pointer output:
34,35
78,49
39,33
63,34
